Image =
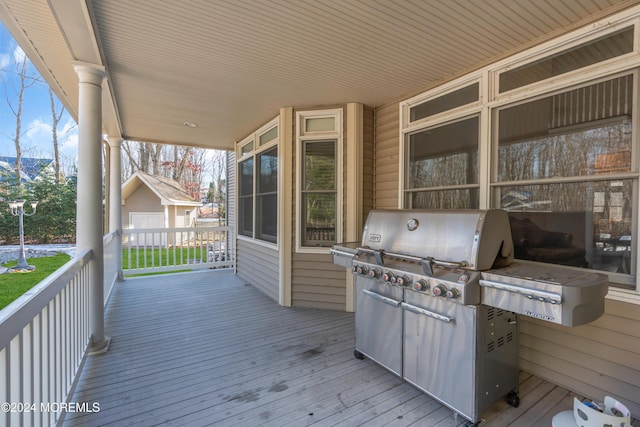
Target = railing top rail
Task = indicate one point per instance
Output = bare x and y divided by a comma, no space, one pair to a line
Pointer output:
176,229
18,314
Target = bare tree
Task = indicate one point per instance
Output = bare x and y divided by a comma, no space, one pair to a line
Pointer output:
55,120
15,101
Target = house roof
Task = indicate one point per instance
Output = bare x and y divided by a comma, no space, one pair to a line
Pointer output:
29,167
168,190
229,66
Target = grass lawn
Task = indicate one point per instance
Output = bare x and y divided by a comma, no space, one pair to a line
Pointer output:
161,257
12,285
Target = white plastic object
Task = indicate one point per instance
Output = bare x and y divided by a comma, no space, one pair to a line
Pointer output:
615,414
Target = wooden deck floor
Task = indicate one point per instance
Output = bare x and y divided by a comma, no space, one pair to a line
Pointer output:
205,348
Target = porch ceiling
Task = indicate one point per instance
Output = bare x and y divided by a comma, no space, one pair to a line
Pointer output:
230,65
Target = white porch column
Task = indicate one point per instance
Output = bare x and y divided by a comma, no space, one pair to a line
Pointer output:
89,223
115,196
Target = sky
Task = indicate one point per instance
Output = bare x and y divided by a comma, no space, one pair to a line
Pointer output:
36,140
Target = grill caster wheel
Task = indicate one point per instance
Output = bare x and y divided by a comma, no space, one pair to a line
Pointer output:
358,355
513,399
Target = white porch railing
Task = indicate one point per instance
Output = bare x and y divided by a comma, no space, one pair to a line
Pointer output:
170,249
44,336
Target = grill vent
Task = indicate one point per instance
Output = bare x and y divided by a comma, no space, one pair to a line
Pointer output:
500,341
494,312
491,346
509,336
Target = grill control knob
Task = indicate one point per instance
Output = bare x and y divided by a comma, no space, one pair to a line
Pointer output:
439,290
403,281
421,285
453,293
362,269
389,277
354,269
374,273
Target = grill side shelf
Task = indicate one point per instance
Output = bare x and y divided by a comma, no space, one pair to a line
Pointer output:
532,294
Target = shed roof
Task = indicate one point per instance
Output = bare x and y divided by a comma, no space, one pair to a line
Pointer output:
169,191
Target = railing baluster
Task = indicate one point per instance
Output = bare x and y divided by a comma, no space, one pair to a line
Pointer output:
178,248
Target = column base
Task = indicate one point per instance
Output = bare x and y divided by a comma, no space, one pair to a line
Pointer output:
101,348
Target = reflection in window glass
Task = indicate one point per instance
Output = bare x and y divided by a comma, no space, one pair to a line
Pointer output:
443,156
583,134
267,196
319,193
581,224
591,126
443,199
245,198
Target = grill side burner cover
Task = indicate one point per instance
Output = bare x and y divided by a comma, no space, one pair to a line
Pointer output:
475,237
559,295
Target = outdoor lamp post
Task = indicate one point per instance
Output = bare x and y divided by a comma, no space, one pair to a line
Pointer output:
17,209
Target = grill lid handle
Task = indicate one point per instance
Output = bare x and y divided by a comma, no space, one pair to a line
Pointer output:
427,266
378,256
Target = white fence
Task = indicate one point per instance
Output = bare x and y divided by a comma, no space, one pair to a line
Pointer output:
44,335
170,249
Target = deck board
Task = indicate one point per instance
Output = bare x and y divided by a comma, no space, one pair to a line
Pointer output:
205,348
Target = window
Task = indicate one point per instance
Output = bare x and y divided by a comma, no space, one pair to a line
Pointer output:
563,172
319,193
267,196
318,183
245,198
442,169
258,185
561,157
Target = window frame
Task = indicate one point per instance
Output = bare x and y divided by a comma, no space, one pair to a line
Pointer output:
243,154
304,136
633,174
491,100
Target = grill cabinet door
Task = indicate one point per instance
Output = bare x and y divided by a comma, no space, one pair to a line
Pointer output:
379,322
439,350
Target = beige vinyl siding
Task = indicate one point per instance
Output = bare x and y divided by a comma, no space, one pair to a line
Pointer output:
317,282
258,265
598,359
231,188
386,160
141,200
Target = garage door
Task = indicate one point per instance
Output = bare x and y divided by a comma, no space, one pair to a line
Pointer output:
142,220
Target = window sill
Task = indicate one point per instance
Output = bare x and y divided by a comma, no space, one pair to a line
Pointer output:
624,295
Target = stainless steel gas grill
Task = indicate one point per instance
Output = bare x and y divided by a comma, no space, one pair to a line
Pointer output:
437,297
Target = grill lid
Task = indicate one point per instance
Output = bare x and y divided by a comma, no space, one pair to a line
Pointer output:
474,238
